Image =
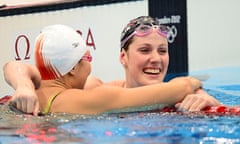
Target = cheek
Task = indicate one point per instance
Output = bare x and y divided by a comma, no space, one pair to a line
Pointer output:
166,60
88,68
137,60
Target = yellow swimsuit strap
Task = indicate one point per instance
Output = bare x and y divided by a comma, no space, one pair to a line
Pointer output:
49,103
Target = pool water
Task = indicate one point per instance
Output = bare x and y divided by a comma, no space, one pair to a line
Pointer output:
134,128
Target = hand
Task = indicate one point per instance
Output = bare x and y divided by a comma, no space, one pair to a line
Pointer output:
197,101
25,99
192,83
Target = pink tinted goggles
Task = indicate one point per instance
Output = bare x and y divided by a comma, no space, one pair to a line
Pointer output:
144,30
87,58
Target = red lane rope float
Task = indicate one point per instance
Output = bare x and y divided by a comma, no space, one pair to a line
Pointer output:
218,110
225,110
211,110
5,99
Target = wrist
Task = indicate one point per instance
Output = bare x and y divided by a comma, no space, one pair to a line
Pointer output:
24,83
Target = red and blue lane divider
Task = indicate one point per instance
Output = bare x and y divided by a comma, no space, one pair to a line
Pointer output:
215,110
5,99
211,110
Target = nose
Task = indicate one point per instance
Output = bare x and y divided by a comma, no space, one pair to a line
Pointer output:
155,57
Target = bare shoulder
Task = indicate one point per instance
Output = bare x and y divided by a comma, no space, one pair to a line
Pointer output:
92,82
118,83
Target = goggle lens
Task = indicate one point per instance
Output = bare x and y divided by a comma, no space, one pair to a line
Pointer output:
87,58
144,30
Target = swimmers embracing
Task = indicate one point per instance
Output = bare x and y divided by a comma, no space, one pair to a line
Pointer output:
144,56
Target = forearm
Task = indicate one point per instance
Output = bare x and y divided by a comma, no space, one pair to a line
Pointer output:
105,97
24,78
18,74
164,93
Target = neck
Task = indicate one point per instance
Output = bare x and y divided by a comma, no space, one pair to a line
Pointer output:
129,83
60,82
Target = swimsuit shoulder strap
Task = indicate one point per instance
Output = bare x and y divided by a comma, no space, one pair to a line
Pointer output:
49,103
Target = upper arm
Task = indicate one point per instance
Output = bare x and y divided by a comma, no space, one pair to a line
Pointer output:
16,72
90,101
119,83
105,98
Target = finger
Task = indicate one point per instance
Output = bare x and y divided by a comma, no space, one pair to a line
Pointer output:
186,103
18,105
36,109
177,105
30,107
196,106
24,106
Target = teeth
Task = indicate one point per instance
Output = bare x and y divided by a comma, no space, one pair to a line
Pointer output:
152,70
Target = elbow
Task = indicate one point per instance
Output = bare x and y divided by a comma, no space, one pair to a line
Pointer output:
6,65
6,69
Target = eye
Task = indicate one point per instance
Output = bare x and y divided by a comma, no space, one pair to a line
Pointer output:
145,50
163,50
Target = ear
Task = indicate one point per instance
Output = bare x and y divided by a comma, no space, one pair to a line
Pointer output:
123,57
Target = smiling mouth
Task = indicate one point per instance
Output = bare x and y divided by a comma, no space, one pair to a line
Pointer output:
153,71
